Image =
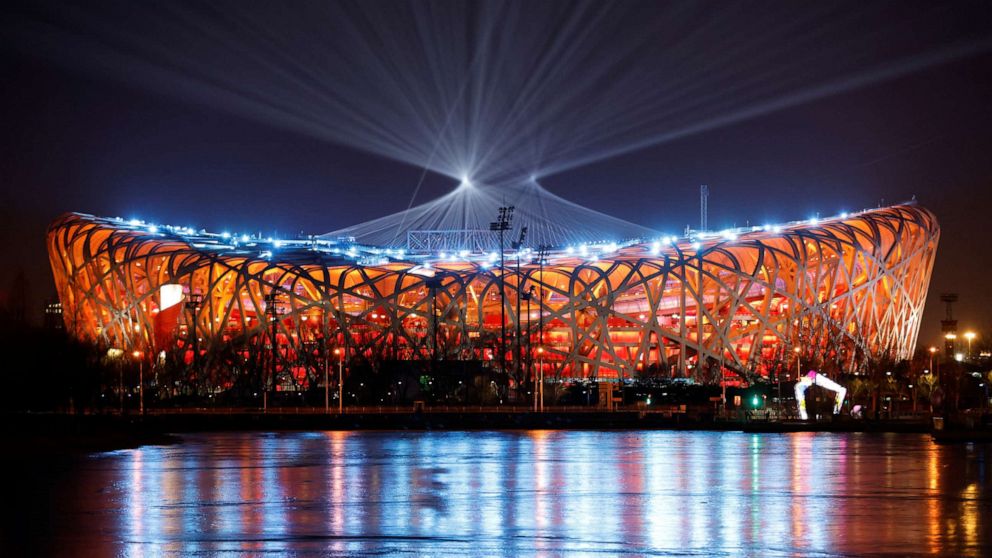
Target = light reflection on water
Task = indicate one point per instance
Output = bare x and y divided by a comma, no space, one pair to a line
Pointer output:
542,493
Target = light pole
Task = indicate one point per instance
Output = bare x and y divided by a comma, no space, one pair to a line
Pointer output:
120,382
338,351
537,385
799,373
141,381
501,225
273,313
970,336
932,351
195,302
518,355
433,284
527,295
540,373
327,388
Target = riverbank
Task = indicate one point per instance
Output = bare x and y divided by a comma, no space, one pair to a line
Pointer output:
55,433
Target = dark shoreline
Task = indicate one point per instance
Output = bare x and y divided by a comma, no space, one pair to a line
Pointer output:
60,434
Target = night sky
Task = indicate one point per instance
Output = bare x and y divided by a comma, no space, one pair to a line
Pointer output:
73,140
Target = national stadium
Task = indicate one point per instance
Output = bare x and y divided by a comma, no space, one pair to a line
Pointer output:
520,280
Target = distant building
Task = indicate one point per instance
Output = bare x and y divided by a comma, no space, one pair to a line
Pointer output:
53,316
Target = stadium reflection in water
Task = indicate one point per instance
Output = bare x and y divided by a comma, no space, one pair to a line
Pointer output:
532,493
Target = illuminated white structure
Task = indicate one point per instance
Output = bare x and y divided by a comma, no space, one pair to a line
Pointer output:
812,378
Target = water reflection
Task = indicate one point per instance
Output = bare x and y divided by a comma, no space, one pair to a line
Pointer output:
541,493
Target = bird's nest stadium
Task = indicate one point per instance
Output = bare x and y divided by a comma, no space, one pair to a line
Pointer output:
743,303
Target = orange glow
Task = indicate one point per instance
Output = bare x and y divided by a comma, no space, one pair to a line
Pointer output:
630,310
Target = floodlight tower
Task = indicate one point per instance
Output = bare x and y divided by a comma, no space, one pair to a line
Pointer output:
949,326
501,225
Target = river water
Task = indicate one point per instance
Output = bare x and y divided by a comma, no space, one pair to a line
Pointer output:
536,493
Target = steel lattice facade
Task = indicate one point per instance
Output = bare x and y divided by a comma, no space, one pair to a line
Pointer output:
842,290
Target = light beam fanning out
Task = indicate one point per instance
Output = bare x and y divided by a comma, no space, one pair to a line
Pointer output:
500,91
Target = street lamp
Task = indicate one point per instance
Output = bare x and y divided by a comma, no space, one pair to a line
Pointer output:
540,373
969,335
339,352
141,381
194,302
327,389
518,355
116,354
272,311
325,306
933,350
799,375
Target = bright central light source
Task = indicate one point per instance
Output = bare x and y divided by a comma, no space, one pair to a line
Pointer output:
466,181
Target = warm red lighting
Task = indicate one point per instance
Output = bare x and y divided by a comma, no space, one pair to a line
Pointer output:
384,311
